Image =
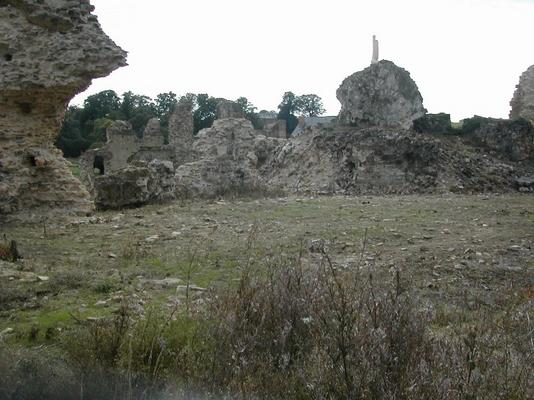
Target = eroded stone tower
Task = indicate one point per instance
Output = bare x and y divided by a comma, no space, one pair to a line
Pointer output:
523,101
50,50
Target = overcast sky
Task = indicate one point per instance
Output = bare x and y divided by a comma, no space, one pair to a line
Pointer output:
466,56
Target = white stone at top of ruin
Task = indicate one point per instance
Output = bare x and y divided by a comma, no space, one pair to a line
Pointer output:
375,50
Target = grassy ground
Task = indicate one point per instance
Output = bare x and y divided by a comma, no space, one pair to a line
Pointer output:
459,253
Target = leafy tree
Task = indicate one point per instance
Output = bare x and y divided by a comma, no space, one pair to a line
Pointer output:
205,111
105,104
249,111
310,105
137,109
98,135
100,105
289,104
127,108
191,99
287,110
247,106
70,139
165,104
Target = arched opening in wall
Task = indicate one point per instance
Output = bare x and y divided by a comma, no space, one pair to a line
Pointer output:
98,165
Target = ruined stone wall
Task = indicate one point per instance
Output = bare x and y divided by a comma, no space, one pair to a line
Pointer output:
523,101
120,146
152,135
123,148
49,51
230,156
229,109
181,129
275,129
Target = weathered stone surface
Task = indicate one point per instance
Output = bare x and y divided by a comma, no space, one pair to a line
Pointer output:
181,130
152,135
511,139
523,101
213,177
229,109
137,184
381,95
276,129
229,155
306,123
433,123
49,51
382,161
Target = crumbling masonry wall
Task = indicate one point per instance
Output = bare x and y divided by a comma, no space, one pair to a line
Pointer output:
49,51
523,101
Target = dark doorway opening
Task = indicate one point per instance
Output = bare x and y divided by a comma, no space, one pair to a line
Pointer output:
98,165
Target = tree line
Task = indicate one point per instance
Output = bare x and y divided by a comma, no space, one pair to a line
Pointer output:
85,126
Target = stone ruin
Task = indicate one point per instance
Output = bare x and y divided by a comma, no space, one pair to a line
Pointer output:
109,172
523,101
382,95
50,50
306,123
230,157
271,126
229,109
370,148
181,129
275,129
225,157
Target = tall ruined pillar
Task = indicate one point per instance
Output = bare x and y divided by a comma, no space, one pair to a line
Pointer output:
181,129
523,101
50,50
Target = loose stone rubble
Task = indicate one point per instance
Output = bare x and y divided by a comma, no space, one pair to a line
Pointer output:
523,101
50,50
381,95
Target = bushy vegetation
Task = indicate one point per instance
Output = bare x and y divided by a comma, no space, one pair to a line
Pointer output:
287,329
